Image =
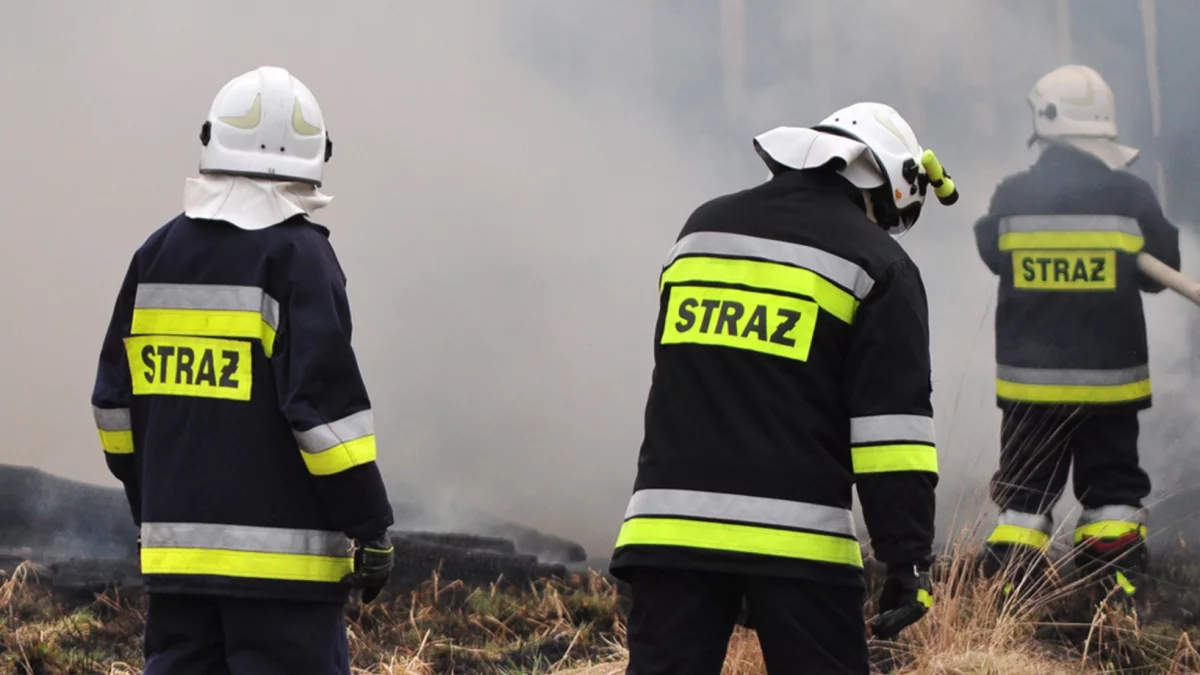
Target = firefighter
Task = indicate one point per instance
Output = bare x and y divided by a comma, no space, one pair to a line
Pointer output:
231,406
1071,357
791,363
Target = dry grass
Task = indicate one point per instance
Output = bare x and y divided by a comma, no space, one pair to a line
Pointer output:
575,627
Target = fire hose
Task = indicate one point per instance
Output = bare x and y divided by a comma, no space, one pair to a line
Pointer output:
1172,279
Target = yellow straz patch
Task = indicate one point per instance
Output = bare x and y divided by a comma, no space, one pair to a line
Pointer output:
1065,270
724,317
190,366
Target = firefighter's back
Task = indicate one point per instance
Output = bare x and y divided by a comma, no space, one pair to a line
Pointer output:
748,395
1064,238
214,447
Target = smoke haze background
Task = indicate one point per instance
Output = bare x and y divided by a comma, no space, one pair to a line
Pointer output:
508,177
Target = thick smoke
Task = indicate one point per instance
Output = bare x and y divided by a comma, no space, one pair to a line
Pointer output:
508,177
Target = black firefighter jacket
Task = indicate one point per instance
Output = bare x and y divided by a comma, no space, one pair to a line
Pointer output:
230,404
791,363
1063,237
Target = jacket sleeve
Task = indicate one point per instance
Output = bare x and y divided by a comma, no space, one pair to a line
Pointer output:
987,233
1160,237
888,395
112,394
322,393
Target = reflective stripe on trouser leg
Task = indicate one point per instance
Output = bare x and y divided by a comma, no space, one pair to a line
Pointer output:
1022,529
1114,522
740,524
116,430
245,551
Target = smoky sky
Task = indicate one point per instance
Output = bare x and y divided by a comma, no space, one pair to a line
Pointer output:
508,177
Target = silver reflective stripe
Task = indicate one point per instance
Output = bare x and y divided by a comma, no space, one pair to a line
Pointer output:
245,538
837,269
884,428
209,296
1128,514
1070,223
1060,376
112,419
326,436
754,510
1029,521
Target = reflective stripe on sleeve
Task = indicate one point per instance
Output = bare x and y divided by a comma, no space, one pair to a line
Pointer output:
1051,385
1121,233
116,430
884,428
244,551
890,458
888,443
1022,529
740,524
340,445
206,310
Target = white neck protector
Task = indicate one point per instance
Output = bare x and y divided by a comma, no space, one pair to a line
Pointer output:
249,203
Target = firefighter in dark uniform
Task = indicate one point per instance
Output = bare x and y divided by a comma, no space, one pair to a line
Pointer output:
231,407
1072,367
791,364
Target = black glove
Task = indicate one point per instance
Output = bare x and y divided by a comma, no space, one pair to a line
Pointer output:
907,596
373,560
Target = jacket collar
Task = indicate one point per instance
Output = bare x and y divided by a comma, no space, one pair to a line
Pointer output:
1058,157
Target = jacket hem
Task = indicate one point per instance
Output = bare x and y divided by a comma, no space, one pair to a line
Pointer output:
627,559
248,589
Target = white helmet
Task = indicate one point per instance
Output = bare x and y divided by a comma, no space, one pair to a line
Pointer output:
265,124
876,151
1074,105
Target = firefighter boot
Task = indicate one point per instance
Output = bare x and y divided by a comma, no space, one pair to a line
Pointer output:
1111,558
1016,552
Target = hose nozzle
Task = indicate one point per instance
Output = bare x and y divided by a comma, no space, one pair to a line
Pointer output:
943,187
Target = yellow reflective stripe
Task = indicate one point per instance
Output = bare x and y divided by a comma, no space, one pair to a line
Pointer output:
1023,536
1121,241
245,564
1123,582
341,456
205,323
1072,393
888,458
739,539
1108,529
116,442
925,598
764,276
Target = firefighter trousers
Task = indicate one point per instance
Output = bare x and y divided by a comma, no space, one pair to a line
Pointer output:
1038,445
681,621
208,635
